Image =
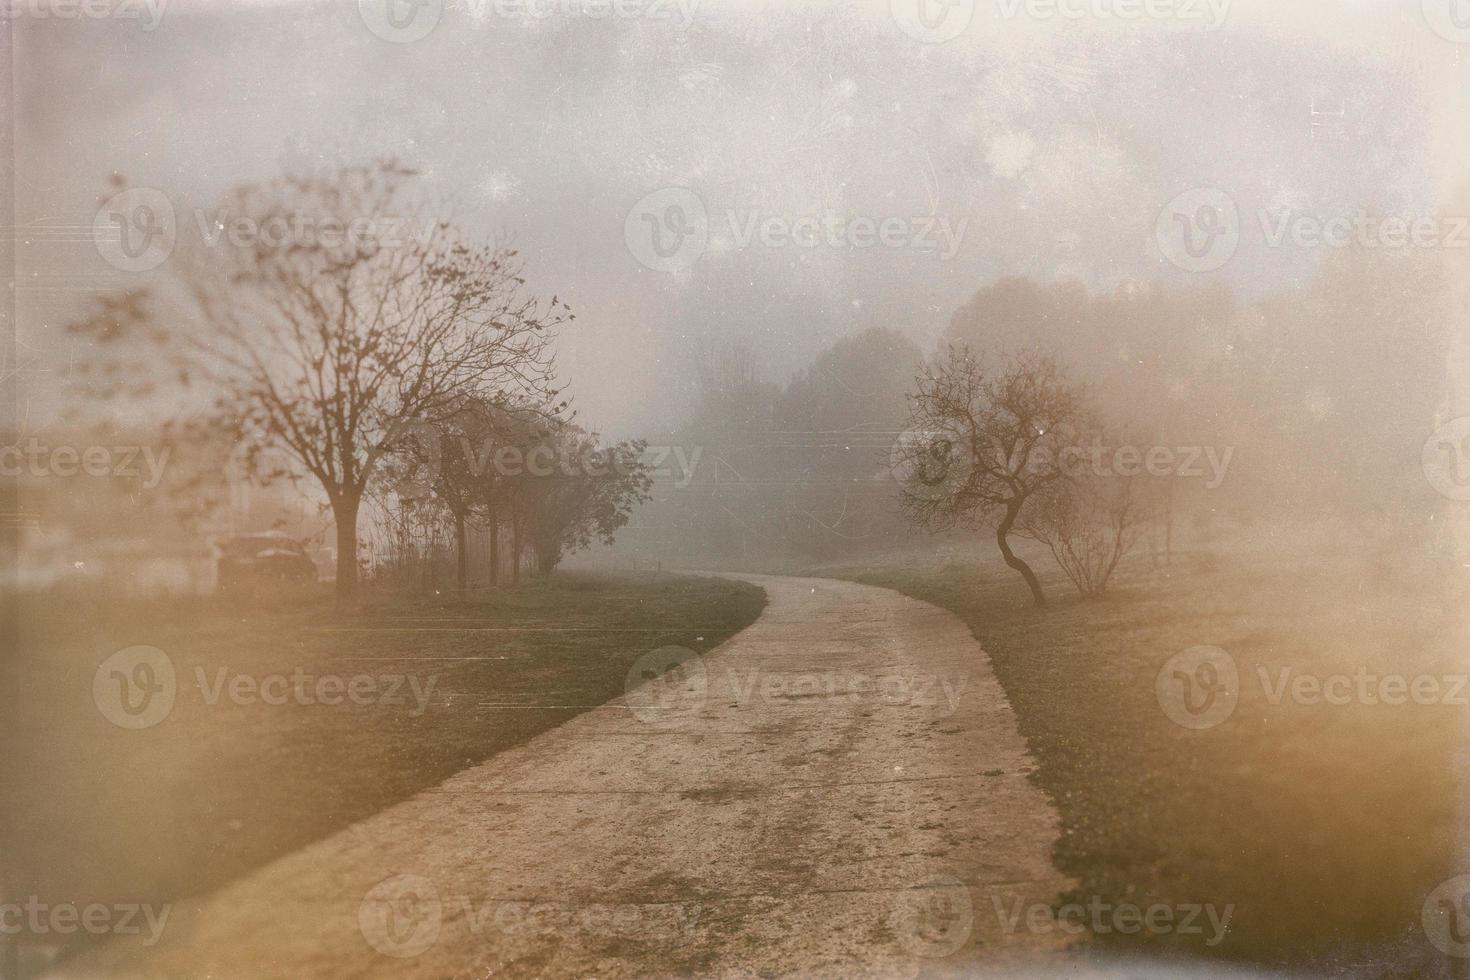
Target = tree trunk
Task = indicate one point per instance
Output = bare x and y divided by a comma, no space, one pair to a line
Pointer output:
515,550
494,521
1002,533
1169,524
461,572
344,510
546,560
1160,440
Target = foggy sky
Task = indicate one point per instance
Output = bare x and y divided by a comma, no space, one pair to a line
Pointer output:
1053,144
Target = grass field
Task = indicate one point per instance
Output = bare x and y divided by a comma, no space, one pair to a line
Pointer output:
101,813
1324,825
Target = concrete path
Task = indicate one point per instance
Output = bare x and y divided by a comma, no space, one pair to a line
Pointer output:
839,790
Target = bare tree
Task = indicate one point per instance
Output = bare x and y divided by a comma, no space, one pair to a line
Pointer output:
359,318
1089,522
979,446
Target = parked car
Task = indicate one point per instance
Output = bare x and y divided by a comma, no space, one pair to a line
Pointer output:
249,561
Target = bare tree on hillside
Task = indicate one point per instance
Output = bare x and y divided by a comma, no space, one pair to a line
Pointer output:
980,445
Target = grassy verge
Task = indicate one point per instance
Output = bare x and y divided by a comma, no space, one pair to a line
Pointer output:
99,813
1325,826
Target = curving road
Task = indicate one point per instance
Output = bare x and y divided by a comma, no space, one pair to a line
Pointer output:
838,790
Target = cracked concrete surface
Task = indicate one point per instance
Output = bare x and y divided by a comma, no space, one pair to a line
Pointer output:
838,790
